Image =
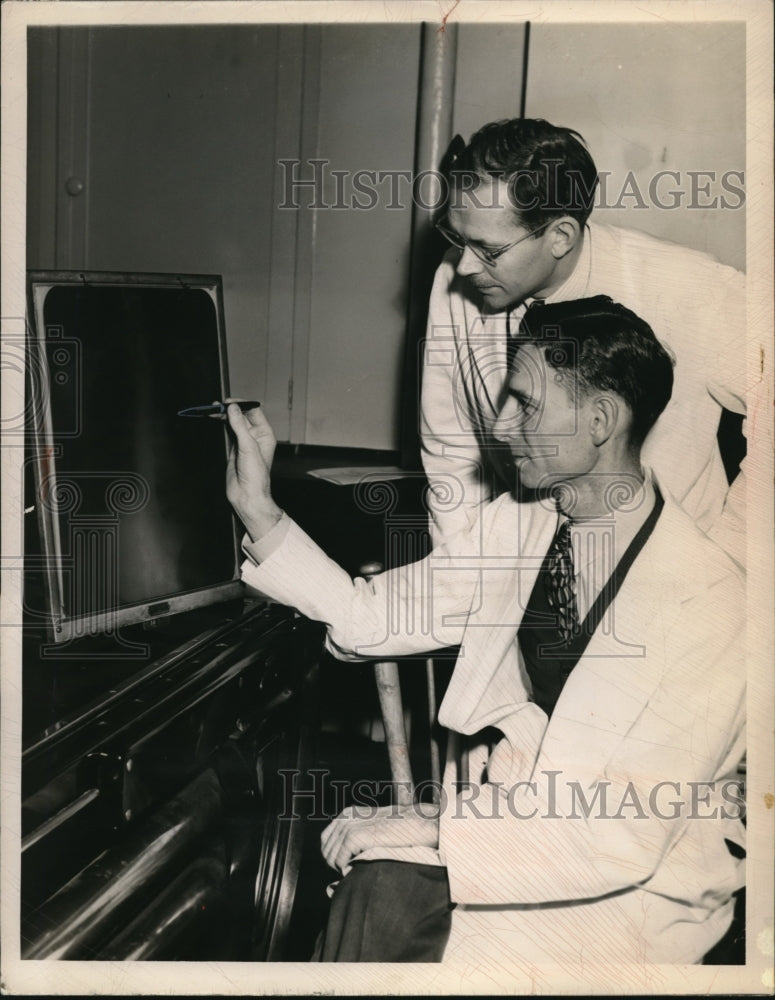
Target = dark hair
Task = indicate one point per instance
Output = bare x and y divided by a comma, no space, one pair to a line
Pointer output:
548,169
608,348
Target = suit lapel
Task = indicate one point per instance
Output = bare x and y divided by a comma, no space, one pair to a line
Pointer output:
623,662
487,682
626,657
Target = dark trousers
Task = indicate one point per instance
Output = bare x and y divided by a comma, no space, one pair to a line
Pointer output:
388,911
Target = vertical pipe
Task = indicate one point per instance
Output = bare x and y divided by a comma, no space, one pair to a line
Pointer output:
525,54
306,236
438,63
438,56
391,706
434,131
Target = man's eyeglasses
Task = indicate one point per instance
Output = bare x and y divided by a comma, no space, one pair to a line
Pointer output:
489,257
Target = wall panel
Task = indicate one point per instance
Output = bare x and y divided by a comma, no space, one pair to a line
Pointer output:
181,155
648,98
367,114
488,82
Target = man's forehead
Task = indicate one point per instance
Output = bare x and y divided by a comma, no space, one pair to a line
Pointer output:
480,189
530,372
484,201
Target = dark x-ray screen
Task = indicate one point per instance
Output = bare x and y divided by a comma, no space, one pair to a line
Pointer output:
134,492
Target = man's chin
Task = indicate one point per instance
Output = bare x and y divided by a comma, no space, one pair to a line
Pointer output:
526,480
490,298
492,301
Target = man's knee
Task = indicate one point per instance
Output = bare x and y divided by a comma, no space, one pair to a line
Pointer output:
388,911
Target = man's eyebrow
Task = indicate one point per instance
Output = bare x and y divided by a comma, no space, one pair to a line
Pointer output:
523,397
473,242
486,243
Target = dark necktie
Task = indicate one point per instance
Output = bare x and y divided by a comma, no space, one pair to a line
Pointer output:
560,583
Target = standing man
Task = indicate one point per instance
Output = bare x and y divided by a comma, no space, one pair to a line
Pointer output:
602,827
519,199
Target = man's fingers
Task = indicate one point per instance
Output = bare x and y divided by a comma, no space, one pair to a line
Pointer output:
331,851
334,825
325,837
255,417
334,835
340,850
255,424
231,462
237,422
342,858
355,841
339,840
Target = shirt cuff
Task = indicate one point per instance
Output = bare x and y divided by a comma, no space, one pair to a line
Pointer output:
268,543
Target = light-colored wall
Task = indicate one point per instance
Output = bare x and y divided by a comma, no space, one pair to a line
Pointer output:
488,75
647,98
171,131
365,85
177,133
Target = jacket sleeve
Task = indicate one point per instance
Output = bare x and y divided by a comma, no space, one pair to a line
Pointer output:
734,382
603,808
409,610
450,450
722,301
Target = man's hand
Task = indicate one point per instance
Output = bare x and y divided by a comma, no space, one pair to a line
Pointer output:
358,828
248,471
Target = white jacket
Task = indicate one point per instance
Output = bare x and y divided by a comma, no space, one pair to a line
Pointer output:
657,697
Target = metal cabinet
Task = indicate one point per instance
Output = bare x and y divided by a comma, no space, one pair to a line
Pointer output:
156,818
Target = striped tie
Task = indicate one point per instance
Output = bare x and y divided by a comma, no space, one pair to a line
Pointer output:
561,584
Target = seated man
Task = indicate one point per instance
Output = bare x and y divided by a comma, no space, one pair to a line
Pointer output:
600,632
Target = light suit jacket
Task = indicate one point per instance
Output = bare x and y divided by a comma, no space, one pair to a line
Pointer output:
651,719
696,307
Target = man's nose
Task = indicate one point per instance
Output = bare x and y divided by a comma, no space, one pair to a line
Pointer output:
468,263
508,424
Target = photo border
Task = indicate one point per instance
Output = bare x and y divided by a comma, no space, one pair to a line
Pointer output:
70,978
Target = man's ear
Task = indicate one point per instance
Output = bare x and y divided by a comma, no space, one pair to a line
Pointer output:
605,415
564,235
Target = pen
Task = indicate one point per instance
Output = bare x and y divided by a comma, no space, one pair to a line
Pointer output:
217,409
